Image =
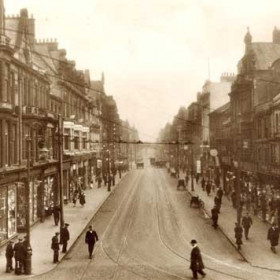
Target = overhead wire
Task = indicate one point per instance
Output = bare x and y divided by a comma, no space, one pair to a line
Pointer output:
66,61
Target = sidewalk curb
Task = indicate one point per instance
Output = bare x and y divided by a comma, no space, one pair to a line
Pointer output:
223,232
12,277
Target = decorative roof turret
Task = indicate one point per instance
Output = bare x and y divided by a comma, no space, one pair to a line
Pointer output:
248,37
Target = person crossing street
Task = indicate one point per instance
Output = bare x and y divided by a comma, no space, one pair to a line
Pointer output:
215,216
247,223
273,237
91,238
197,265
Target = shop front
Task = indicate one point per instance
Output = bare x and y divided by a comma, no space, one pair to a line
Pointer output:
34,203
8,221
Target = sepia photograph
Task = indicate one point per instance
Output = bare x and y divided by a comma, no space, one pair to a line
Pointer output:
139,139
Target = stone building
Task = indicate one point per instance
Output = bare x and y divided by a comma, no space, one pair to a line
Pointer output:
39,86
27,127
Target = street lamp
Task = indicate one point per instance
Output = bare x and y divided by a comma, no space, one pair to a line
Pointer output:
108,170
186,147
27,212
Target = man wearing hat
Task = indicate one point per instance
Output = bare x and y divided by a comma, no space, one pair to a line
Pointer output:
65,236
273,237
19,256
55,247
197,265
9,256
91,238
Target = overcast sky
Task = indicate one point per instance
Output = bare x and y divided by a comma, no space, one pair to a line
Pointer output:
154,53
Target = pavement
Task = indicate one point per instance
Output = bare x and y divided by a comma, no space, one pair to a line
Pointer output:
256,250
41,233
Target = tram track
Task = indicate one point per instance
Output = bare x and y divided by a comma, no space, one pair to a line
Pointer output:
168,199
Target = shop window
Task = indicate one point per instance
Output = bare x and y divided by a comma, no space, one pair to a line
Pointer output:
3,214
21,221
48,193
11,211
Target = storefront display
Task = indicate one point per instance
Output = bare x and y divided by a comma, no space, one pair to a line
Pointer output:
3,214
21,219
49,183
11,211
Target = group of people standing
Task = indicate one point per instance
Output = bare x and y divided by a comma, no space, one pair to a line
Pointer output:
247,196
18,251
64,238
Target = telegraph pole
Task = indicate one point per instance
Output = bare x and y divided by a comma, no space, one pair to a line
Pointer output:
28,264
60,147
192,185
239,147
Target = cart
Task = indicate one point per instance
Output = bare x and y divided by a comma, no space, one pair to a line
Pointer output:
196,201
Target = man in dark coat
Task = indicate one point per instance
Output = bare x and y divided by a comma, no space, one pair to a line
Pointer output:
203,183
91,238
218,203
19,256
197,265
55,247
246,223
9,256
220,193
25,247
233,199
56,213
238,235
215,216
208,188
273,236
65,236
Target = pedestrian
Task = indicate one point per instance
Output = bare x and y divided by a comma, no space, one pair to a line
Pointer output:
55,247
105,179
9,256
91,238
75,197
82,198
247,223
203,184
273,237
187,180
197,178
233,199
56,213
218,203
99,180
208,188
197,265
19,256
220,193
238,235
65,236
215,216
263,206
25,244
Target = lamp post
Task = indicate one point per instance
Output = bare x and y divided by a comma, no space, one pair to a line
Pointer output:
108,170
239,146
186,147
61,196
28,263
